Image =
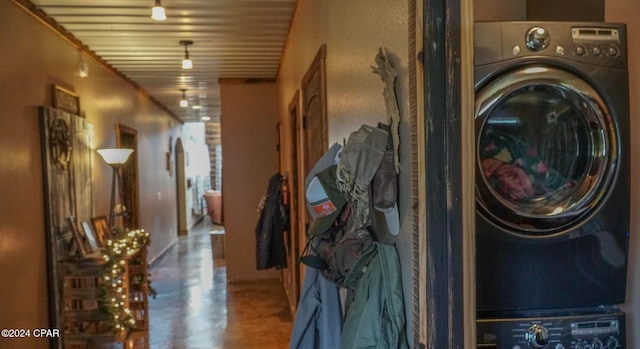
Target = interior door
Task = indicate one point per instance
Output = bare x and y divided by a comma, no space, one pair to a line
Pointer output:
295,234
314,131
181,188
314,121
127,137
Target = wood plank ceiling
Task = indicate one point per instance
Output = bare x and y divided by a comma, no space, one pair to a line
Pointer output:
231,39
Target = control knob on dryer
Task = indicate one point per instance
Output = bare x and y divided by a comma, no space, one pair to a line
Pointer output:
537,39
597,344
537,337
612,343
613,51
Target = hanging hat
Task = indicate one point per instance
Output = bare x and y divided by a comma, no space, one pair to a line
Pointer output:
330,157
325,200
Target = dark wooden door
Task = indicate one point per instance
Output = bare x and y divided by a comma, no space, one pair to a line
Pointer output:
315,111
313,136
127,137
295,235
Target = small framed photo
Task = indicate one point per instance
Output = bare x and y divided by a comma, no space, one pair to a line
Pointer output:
66,100
101,228
90,236
77,237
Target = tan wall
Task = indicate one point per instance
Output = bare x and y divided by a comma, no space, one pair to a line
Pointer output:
566,10
249,158
353,31
33,58
625,11
500,10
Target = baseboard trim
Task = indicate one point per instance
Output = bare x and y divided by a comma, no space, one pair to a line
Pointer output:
162,254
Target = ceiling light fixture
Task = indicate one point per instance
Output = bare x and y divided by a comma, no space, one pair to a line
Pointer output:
157,12
205,118
83,68
183,102
186,62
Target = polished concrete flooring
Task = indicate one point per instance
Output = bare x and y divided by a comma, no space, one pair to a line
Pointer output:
195,308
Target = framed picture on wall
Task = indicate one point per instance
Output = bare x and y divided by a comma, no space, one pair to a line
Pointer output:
66,100
77,237
101,228
90,236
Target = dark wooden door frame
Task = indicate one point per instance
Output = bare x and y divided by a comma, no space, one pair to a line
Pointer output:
294,203
450,317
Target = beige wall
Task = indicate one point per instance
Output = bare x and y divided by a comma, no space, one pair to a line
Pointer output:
353,31
500,10
249,158
625,11
33,58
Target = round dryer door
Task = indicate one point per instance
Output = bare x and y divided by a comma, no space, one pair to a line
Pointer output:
547,150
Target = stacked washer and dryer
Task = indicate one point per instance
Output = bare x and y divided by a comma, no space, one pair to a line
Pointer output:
552,184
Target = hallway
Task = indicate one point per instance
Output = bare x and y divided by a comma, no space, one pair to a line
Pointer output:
196,309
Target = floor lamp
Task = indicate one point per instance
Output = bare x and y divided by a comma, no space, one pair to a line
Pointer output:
115,158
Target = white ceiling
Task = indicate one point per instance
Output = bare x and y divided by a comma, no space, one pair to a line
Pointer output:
231,39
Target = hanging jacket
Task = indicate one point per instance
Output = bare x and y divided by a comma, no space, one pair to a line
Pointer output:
272,223
376,316
318,319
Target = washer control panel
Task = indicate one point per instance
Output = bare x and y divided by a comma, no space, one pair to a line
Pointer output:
605,331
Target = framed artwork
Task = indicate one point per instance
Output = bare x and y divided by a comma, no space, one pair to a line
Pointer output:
101,228
66,100
90,236
77,237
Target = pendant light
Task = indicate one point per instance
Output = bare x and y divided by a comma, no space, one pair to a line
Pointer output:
186,62
183,102
157,12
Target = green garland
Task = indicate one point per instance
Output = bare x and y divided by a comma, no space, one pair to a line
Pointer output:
113,293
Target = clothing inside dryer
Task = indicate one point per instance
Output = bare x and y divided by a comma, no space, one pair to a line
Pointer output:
535,149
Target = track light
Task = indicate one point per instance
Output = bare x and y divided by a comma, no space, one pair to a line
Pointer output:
186,62
183,102
157,12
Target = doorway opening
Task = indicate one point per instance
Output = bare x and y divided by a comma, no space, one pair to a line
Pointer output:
127,137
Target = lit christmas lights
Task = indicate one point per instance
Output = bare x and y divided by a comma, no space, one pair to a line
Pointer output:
113,295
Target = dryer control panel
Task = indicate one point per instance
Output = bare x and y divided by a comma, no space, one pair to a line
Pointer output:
596,41
558,332
602,44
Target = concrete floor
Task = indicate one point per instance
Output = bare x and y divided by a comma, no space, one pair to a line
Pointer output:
196,309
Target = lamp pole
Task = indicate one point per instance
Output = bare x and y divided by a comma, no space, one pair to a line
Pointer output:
112,206
115,158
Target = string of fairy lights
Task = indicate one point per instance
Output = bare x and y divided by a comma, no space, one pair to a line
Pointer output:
113,292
